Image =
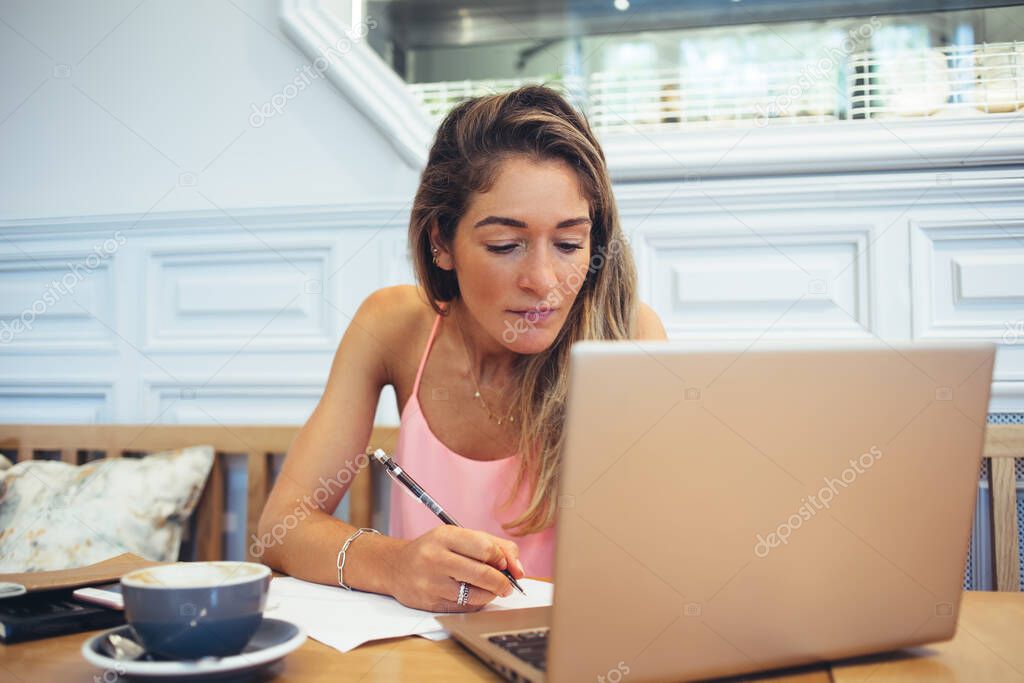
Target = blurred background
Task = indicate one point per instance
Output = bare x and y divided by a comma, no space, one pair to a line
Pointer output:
662,65
196,196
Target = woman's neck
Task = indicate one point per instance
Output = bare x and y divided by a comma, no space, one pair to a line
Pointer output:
490,362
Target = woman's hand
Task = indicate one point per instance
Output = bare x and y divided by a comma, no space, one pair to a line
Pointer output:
427,570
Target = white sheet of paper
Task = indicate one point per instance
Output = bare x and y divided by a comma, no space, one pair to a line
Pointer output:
435,635
346,619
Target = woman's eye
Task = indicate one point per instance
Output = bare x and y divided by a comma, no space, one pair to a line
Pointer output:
567,247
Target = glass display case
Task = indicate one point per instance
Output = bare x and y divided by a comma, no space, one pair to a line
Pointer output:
643,65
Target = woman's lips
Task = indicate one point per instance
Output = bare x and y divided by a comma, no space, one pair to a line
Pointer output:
535,315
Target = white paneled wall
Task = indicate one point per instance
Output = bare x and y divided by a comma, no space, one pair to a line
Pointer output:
222,296
968,278
192,317
736,285
200,317
39,399
65,325
901,256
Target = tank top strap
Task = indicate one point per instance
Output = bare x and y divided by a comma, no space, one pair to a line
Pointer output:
426,352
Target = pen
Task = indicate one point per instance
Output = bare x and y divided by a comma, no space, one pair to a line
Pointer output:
417,492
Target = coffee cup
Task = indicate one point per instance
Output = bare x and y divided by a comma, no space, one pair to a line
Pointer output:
191,610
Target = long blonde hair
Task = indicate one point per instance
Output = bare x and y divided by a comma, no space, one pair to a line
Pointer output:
471,142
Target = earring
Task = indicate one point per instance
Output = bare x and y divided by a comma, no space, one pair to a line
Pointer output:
435,252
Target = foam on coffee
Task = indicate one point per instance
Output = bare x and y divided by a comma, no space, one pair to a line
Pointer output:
195,575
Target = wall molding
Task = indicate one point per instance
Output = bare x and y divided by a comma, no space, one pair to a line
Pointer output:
58,390
361,76
979,319
1008,394
235,394
362,246
990,187
760,280
181,288
842,147
240,221
56,324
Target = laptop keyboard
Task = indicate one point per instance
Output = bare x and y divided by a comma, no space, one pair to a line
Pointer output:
529,646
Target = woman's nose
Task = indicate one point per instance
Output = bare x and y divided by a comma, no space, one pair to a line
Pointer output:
538,273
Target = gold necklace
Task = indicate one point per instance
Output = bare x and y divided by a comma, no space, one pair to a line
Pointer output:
491,416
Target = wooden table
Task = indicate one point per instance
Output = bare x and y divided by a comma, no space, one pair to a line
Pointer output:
989,646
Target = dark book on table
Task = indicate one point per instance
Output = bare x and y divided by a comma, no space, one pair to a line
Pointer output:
51,613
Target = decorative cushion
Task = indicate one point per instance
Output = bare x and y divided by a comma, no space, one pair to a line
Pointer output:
57,516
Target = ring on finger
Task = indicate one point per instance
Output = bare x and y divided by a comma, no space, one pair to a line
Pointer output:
463,594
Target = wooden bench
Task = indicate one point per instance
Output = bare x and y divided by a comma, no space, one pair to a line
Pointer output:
1003,443
257,443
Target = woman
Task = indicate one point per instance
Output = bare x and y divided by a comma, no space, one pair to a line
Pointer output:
518,250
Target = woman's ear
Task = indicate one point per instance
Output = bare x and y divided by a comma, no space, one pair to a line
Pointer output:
442,257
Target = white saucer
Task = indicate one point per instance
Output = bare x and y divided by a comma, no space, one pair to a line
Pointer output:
11,590
274,639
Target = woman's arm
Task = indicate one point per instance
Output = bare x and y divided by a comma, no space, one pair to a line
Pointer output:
298,534
321,463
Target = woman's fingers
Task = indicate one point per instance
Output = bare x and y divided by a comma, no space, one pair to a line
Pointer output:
476,545
448,600
484,547
511,552
478,597
515,565
455,555
479,574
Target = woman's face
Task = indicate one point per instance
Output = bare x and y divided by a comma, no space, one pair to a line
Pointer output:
521,252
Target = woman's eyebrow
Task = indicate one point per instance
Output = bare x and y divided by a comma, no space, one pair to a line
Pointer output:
514,223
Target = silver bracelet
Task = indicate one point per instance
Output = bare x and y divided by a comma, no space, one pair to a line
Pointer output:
341,555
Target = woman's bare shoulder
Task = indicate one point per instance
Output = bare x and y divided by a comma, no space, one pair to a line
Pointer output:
398,307
396,317
649,325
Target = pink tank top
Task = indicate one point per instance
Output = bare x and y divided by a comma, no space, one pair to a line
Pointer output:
472,491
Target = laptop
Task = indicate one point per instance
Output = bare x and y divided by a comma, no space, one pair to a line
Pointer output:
749,507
